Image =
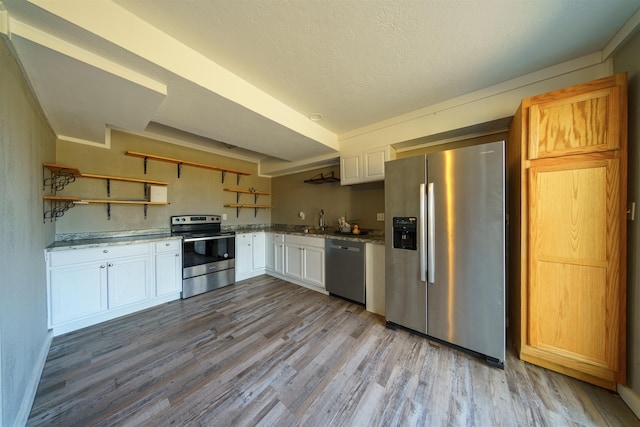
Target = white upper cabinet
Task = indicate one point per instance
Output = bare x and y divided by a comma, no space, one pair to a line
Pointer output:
365,166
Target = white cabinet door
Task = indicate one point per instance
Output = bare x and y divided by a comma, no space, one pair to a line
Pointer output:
278,257
374,164
351,169
168,273
313,266
77,291
244,256
293,261
259,248
128,281
269,252
168,267
365,166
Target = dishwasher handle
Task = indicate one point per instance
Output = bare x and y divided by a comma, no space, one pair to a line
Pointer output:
345,248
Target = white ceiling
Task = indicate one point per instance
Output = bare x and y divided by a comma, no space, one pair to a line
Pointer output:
249,73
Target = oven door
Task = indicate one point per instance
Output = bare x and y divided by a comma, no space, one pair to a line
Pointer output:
209,254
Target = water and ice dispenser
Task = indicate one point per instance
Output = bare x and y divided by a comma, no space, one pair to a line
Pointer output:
405,233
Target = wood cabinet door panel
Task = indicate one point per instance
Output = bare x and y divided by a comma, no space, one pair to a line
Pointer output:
574,289
574,297
580,123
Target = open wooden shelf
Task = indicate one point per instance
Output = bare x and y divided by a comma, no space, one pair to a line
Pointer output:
61,204
255,208
233,190
62,175
255,193
62,198
121,178
180,163
62,169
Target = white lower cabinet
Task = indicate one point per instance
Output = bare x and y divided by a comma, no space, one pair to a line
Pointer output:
274,250
86,286
374,278
313,266
293,260
128,280
304,260
168,269
77,291
250,255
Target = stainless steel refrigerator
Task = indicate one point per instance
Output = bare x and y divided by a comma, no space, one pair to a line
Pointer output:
445,251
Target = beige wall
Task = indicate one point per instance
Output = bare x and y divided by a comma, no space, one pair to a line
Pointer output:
627,60
197,191
26,141
360,203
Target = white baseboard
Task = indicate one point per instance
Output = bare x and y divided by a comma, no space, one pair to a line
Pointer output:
630,398
32,386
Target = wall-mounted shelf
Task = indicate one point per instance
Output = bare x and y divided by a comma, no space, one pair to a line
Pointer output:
61,204
321,178
58,205
255,208
181,163
110,178
61,175
254,192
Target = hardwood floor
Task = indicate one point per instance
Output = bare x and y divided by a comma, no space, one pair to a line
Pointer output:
266,352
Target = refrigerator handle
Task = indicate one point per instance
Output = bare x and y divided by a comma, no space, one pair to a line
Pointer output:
431,240
423,234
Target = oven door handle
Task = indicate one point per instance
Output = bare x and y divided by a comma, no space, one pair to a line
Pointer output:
197,239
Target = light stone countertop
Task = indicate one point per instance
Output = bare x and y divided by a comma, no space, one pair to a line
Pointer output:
328,234
107,241
89,240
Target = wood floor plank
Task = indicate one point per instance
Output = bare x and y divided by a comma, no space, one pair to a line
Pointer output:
266,352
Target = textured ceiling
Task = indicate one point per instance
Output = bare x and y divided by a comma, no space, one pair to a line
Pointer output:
248,73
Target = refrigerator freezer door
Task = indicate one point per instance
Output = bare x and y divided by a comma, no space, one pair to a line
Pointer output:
466,299
405,294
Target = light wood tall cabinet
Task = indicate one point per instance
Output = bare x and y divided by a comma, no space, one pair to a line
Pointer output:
568,171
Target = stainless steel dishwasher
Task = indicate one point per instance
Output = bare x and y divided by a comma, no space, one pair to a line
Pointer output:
344,269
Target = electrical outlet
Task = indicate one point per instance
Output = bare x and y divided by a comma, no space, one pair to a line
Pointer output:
224,217
380,216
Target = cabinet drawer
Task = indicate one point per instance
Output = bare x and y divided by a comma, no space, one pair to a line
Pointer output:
243,238
317,242
168,246
77,256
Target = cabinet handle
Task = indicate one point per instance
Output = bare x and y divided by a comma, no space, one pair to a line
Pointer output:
167,244
110,264
102,266
177,255
106,251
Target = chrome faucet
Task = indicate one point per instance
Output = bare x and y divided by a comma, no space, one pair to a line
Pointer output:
322,224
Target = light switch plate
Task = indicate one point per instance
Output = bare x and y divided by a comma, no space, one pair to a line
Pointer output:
224,217
380,216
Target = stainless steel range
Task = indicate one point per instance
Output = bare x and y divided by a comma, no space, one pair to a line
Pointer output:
208,254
